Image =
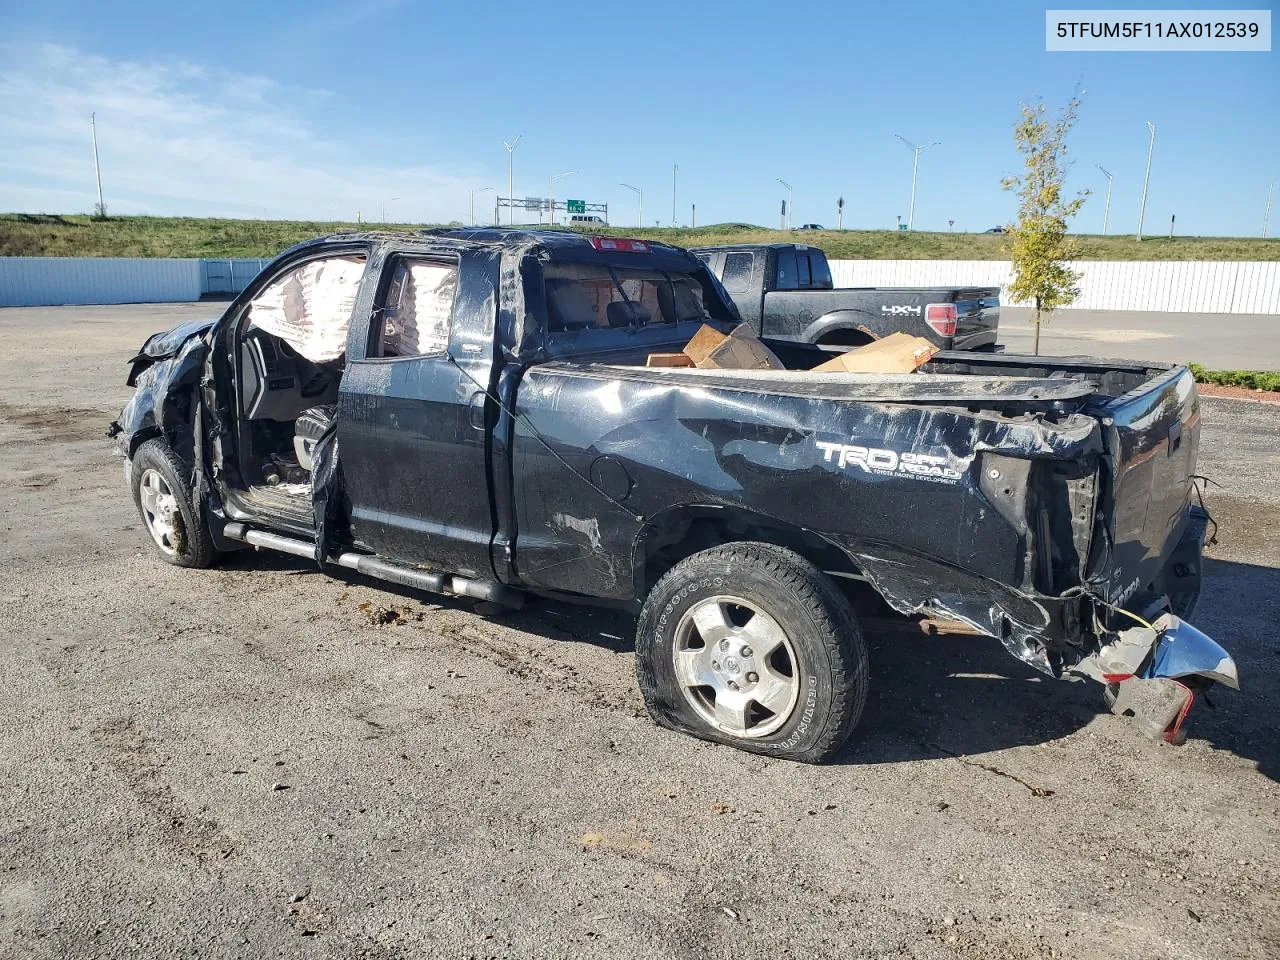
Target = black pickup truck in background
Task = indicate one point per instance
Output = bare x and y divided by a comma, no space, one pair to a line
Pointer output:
471,412
784,290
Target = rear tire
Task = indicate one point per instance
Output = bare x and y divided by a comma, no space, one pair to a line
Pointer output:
751,645
162,494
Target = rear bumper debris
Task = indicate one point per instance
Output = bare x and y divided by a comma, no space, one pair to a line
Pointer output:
1155,673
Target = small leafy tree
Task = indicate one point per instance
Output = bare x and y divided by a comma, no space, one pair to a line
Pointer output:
1039,246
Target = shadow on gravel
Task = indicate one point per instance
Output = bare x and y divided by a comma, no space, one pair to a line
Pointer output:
601,626
1240,608
960,696
956,696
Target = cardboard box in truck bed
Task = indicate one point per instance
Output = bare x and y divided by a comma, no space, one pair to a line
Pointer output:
896,353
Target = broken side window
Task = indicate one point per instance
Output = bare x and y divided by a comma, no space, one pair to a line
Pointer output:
309,307
417,310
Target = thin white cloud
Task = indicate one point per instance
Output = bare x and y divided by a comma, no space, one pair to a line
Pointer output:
183,139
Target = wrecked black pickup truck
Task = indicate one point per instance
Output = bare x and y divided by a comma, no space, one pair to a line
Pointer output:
470,412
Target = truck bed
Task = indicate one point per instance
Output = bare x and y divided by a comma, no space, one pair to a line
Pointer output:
993,490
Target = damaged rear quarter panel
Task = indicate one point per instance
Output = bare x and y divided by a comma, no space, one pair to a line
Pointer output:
896,485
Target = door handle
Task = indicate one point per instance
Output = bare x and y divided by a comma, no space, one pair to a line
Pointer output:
475,410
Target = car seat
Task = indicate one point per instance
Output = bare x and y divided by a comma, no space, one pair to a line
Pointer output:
312,424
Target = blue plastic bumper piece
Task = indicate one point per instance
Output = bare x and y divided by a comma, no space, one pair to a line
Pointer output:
1183,651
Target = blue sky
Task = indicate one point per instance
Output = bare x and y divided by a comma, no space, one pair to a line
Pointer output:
319,109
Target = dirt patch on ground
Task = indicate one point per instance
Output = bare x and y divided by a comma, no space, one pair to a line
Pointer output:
131,754
57,424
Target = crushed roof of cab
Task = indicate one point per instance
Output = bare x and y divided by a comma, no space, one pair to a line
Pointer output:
459,237
548,238
440,237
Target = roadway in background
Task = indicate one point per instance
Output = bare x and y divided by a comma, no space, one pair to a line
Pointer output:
1218,341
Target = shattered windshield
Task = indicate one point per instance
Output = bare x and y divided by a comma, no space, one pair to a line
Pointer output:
595,296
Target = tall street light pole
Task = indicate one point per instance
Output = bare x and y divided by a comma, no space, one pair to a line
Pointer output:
473,202
1106,209
511,153
916,150
639,193
1266,217
551,191
384,207
786,221
97,171
675,168
1142,211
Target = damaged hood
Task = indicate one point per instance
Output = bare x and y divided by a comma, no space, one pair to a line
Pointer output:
162,346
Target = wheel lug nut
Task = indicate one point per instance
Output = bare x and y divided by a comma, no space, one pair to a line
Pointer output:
746,651
732,685
752,677
724,644
715,664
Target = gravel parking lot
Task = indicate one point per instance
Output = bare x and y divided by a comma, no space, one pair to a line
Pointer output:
262,759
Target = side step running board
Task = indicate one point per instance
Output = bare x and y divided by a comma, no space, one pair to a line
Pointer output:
380,568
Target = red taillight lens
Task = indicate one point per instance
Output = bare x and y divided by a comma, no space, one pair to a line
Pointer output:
620,244
942,317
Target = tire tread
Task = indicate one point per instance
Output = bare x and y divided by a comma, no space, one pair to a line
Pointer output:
847,662
198,550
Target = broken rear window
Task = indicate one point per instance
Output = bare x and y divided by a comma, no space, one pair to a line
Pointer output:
595,296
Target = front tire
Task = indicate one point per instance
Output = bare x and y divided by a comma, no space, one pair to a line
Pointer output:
751,645
169,513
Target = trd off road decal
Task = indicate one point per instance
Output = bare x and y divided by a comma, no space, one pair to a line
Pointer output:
917,466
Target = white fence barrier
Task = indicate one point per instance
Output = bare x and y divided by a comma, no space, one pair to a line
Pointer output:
1177,286
228,276
46,281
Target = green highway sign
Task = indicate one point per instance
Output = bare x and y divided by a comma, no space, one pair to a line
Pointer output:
575,206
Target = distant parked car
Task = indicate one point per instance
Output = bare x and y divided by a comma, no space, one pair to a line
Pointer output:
588,219
811,226
786,292
994,230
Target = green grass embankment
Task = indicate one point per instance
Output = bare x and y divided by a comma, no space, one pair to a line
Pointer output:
56,235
